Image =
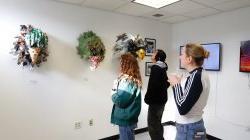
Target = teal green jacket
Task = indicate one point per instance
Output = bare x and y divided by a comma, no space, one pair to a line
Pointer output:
127,102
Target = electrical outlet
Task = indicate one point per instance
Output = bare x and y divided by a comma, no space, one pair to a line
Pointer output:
78,125
91,122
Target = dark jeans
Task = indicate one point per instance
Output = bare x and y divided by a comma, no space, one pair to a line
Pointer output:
155,128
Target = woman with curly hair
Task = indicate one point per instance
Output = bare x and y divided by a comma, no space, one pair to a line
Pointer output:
126,96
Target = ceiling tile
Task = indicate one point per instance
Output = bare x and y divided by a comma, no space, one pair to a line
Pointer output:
210,2
134,9
71,1
174,13
175,19
105,4
201,13
232,5
182,7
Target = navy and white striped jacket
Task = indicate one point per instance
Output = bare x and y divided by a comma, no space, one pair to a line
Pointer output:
191,96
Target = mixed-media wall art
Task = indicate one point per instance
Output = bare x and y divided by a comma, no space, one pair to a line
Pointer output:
150,46
245,56
90,47
128,43
30,46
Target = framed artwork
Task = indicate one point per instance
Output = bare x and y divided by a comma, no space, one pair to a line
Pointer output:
150,46
245,56
148,66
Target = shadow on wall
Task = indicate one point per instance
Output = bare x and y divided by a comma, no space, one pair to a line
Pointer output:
63,58
115,65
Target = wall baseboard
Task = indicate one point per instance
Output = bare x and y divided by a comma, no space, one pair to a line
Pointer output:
210,137
142,130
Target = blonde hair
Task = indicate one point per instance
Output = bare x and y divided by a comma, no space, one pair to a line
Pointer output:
197,52
129,66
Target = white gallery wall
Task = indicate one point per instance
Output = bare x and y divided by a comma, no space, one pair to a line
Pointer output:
227,115
44,103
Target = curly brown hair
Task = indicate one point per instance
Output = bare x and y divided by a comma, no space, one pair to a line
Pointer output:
129,65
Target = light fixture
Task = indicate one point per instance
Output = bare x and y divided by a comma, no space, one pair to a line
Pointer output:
155,3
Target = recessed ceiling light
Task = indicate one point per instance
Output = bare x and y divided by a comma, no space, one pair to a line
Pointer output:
155,3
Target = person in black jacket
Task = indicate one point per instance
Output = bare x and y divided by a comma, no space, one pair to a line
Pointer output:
156,95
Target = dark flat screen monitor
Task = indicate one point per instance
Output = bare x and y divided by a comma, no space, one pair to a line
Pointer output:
212,63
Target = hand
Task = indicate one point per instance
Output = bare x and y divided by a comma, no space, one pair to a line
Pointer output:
174,79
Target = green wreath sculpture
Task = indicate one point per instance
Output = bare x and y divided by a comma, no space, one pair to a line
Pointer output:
90,47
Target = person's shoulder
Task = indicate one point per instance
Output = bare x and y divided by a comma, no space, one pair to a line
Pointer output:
199,71
127,79
155,66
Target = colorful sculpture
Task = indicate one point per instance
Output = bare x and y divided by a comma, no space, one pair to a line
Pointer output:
128,43
90,47
31,46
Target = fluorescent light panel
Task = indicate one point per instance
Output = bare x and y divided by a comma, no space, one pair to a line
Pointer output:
155,3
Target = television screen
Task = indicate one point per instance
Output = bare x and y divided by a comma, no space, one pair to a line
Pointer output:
245,56
212,63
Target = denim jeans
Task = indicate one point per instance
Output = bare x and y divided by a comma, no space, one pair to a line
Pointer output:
155,127
127,132
191,131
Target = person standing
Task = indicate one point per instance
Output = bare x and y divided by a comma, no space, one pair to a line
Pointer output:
191,94
156,95
126,96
